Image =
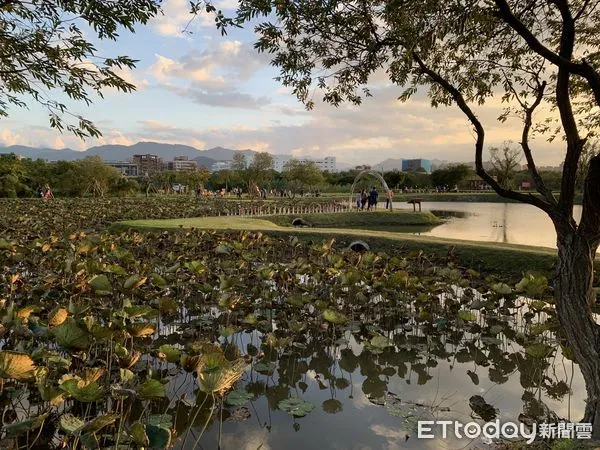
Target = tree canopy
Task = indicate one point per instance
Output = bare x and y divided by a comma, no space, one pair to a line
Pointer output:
46,50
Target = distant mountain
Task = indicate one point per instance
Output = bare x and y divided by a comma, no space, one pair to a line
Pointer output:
167,152
225,154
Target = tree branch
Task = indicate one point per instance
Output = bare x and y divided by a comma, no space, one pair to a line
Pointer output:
464,107
537,179
582,69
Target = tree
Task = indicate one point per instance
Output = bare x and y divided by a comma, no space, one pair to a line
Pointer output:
590,149
302,173
43,51
467,52
450,176
238,162
506,162
261,168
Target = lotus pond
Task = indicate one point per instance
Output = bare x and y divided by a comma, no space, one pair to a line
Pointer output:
196,339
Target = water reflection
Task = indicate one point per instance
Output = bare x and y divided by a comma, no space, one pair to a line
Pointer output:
370,392
512,223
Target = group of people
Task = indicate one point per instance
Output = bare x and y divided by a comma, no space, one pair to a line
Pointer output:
370,199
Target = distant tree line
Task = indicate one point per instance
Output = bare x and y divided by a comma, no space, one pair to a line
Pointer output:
21,177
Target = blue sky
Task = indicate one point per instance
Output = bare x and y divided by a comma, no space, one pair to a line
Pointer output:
206,90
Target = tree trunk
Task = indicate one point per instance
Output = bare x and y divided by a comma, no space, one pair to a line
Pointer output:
574,296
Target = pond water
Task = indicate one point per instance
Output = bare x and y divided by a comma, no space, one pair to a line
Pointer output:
511,223
368,398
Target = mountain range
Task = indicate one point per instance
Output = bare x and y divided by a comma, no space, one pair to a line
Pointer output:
167,152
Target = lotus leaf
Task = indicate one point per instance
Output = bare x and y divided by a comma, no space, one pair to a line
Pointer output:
18,428
134,282
126,375
501,288
217,374
265,367
100,422
467,316
70,424
16,365
57,317
101,285
138,434
332,406
157,280
380,342
158,437
70,335
167,305
90,441
25,312
296,406
140,311
141,329
151,389
238,398
82,392
539,350
172,354
334,317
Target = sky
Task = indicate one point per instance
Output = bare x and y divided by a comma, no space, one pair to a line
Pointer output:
206,90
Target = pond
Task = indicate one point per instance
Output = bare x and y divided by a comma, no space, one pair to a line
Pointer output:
365,397
511,223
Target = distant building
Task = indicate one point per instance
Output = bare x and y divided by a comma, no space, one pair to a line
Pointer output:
127,168
327,164
182,164
279,162
414,165
147,164
362,167
220,165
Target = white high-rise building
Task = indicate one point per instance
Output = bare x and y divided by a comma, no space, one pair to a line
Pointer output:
327,164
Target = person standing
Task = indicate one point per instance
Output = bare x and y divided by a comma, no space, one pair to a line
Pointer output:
388,201
358,200
363,199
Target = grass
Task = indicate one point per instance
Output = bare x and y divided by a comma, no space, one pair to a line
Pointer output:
360,219
484,257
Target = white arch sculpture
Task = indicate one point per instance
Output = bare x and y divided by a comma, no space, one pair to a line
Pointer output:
363,174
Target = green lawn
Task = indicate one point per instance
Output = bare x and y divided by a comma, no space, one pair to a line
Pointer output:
482,256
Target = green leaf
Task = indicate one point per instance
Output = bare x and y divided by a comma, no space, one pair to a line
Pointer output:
90,441
501,288
296,406
158,437
134,282
100,422
467,316
380,342
151,389
101,285
126,375
138,434
161,420
86,394
539,350
69,335
172,354
238,398
70,424
18,428
334,317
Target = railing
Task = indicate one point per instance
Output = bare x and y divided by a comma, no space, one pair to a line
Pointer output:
270,210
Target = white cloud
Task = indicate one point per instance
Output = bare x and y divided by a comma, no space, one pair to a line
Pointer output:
177,17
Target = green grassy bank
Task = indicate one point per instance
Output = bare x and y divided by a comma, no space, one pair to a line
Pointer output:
484,257
360,219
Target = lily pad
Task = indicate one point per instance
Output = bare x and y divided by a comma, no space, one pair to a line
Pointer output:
296,406
334,317
70,335
467,316
172,354
151,389
238,398
70,424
